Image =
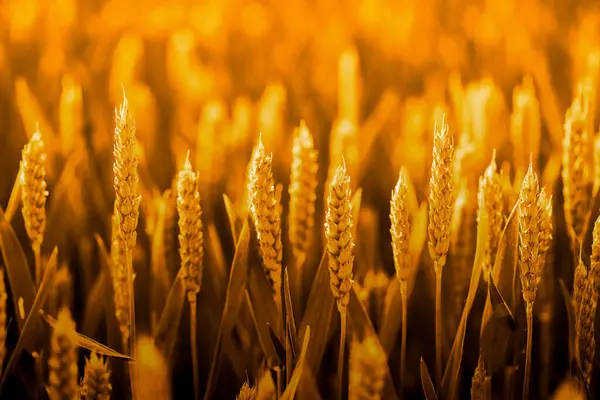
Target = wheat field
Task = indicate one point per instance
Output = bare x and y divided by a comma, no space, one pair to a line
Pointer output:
242,199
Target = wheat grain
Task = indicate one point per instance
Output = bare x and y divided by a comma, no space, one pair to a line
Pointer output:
191,241
120,283
33,189
490,191
127,199
96,380
264,208
400,227
62,364
478,381
367,370
3,326
303,185
576,169
584,329
340,243
247,392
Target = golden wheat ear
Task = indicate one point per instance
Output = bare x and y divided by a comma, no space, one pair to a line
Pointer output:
63,375
367,370
96,379
247,392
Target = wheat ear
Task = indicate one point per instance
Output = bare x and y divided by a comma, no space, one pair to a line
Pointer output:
478,390
576,172
247,392
340,244
33,195
490,190
440,217
191,250
3,327
127,203
525,125
303,185
595,257
400,231
367,370
585,344
265,212
96,380
62,364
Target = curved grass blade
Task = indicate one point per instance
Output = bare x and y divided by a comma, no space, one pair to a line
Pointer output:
94,306
291,321
290,391
168,324
15,198
85,342
361,325
234,223
570,319
233,301
450,379
426,382
31,331
160,273
17,269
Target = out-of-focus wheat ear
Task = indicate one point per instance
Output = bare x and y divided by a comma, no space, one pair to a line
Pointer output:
247,392
525,125
545,222
120,283
96,379
579,281
264,208
595,257
3,297
191,239
33,195
303,186
62,365
340,243
585,344
127,197
576,168
367,370
400,219
478,391
490,190
440,218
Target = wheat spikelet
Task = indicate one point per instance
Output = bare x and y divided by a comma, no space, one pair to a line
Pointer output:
33,192
303,184
191,241
340,243
490,190
478,381
440,196
576,169
120,282
525,125
62,364
3,297
264,207
529,235
400,228
96,380
367,370
247,392
584,328
127,199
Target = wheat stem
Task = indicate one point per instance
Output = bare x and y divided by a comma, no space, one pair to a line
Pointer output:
438,330
194,345
343,322
404,295
38,266
529,312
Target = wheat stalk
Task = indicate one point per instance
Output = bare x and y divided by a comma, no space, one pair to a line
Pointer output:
191,249
400,231
3,326
478,389
303,185
247,392
367,370
576,169
490,190
33,195
62,364
440,217
265,211
340,244
96,380
120,283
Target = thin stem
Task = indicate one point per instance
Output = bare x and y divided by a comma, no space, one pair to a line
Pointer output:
279,389
341,355
528,353
404,295
438,330
38,265
194,343
132,367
